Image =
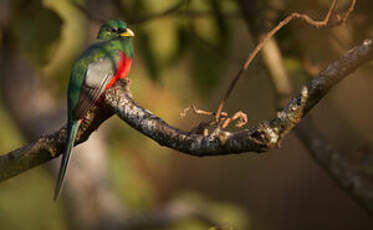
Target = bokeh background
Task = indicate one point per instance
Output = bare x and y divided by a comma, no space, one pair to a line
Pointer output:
186,53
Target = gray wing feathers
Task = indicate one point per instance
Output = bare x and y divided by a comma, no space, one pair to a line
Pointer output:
99,74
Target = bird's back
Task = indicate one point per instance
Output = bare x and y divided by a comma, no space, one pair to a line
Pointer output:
98,50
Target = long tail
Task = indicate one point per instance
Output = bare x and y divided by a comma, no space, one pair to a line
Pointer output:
72,131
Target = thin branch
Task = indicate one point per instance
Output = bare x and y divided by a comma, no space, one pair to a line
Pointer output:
348,177
260,138
303,17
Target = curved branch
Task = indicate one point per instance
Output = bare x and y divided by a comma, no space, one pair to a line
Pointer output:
259,138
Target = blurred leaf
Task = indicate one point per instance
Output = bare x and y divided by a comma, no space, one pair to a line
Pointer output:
138,6
227,215
222,228
150,57
9,137
192,224
230,215
211,43
223,32
36,29
208,63
131,184
183,43
144,40
33,211
207,68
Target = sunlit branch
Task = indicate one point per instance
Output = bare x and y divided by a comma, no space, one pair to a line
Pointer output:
259,138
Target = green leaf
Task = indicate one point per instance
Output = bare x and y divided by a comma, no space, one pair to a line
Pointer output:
183,43
36,28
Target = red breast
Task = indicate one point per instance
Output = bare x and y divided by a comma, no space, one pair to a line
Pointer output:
123,69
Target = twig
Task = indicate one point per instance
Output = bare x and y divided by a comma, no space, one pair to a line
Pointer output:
196,111
303,17
239,116
225,119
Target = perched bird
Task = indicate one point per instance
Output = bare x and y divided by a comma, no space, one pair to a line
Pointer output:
108,59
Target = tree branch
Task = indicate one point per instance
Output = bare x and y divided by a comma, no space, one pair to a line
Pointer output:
347,176
49,146
259,138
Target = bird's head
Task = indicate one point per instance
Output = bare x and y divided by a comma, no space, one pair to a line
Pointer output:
114,29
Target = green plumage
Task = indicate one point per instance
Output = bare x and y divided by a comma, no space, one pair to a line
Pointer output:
96,66
100,49
72,131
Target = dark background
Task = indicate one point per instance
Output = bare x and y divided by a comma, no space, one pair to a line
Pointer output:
187,56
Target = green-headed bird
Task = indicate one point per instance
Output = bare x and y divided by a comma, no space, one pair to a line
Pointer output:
98,68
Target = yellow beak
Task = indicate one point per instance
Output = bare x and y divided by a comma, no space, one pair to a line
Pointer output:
128,33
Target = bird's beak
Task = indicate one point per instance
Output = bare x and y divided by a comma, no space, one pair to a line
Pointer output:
128,33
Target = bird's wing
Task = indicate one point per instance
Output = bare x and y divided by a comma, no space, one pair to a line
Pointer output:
98,75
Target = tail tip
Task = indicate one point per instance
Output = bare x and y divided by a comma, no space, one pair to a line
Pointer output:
56,194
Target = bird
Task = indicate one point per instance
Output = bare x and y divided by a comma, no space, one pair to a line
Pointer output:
108,59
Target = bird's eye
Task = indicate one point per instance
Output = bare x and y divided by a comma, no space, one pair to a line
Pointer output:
114,30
